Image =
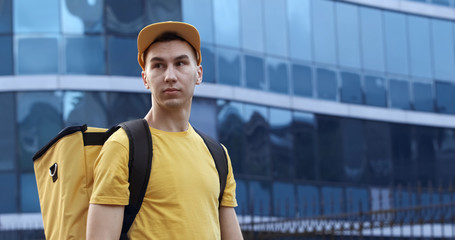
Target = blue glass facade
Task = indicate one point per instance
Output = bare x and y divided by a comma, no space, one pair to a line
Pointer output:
284,159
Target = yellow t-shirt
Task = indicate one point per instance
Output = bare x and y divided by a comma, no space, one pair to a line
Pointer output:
181,200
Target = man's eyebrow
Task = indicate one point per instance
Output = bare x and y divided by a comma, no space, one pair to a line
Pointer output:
160,59
182,57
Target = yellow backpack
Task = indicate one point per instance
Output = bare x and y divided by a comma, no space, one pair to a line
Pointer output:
64,175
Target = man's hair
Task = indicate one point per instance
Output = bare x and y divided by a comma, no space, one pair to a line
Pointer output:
167,37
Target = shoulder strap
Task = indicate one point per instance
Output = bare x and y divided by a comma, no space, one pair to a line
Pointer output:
220,158
140,164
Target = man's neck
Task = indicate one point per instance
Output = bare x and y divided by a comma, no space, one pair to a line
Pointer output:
168,120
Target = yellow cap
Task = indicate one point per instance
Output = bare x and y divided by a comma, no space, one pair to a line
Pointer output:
184,30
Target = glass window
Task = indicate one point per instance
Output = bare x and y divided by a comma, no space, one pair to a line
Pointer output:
200,14
122,106
6,58
228,67
85,55
82,16
423,97
231,133
257,143
443,49
332,200
354,162
378,152
324,32
372,39
276,42
348,34
8,132
403,166
203,116
281,143
29,193
284,200
424,154
227,32
5,16
160,11
39,119
304,145
358,200
300,30
441,2
36,16
37,56
122,57
396,43
85,108
308,201
329,148
277,72
252,25
9,190
302,79
208,64
254,72
241,194
123,22
375,94
260,198
420,46
399,94
327,85
351,88
445,97
445,153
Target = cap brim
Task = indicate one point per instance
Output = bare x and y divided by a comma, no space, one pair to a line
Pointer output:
184,30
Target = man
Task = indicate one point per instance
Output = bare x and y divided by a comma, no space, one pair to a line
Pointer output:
181,200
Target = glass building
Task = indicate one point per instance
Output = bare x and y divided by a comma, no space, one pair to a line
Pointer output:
319,102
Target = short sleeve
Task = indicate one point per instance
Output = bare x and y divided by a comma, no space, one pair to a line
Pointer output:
229,199
111,172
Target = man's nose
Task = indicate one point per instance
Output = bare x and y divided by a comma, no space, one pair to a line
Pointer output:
170,74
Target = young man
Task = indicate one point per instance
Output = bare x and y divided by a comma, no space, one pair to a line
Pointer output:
181,200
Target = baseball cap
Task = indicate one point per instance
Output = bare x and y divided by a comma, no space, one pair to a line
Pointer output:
184,30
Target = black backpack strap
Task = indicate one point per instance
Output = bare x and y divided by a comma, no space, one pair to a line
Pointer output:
220,158
140,164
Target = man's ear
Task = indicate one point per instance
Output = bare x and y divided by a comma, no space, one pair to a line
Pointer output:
199,74
144,80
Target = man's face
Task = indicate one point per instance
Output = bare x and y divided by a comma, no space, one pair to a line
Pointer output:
171,73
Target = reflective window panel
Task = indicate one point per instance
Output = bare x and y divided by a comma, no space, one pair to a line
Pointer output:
420,46
241,194
6,16
443,49
123,106
302,80
37,56
36,16
276,42
82,16
445,97
121,22
85,108
378,152
308,200
203,116
281,144
372,39
355,165
375,94
399,94
324,32
348,35
252,25
9,188
327,85
357,200
228,67
227,31
29,193
254,72
277,72
39,119
260,198
332,200
396,43
300,29
284,199
6,56
122,57
161,11
85,55
208,64
257,132
401,145
304,150
199,13
351,88
423,97
7,131
231,132
445,153
329,147
425,154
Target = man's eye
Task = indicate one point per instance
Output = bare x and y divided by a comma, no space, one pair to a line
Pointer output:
180,63
158,65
